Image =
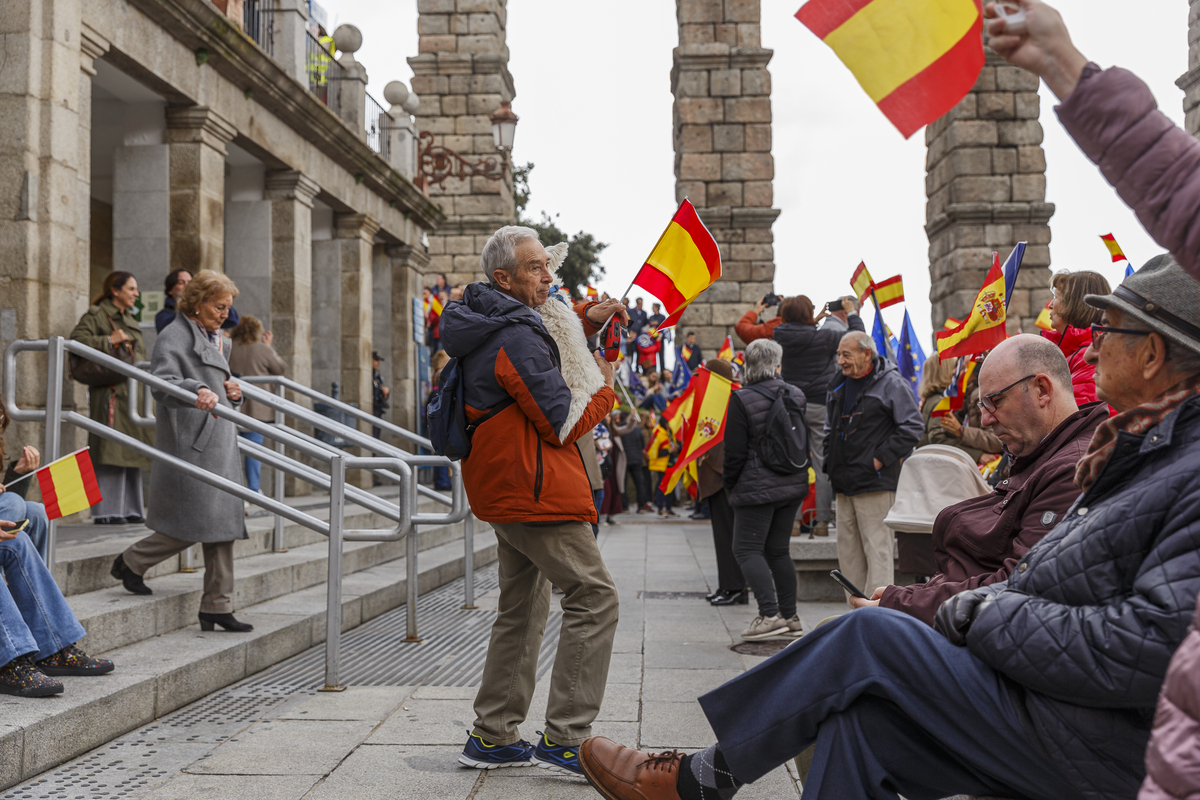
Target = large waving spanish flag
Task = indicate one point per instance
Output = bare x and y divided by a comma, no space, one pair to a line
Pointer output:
683,263
984,327
705,425
915,58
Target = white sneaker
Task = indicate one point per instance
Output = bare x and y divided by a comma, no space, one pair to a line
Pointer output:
764,628
795,627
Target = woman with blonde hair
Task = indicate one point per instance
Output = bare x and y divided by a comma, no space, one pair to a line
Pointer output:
253,355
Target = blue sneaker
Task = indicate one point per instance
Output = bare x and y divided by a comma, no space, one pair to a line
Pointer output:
478,754
556,758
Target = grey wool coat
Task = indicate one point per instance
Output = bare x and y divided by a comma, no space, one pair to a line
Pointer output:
182,507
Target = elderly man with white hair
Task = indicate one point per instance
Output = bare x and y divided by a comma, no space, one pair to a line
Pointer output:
872,424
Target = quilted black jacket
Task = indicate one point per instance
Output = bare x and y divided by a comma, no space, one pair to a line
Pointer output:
1088,621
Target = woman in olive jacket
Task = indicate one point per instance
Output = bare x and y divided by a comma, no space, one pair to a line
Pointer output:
108,325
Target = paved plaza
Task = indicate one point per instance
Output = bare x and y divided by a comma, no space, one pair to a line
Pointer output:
397,729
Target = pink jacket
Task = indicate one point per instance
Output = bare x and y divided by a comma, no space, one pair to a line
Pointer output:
1154,165
1173,755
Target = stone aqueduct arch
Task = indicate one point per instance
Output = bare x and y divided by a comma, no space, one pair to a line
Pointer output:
985,167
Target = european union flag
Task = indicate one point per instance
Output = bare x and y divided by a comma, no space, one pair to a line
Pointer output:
680,378
881,335
635,385
912,357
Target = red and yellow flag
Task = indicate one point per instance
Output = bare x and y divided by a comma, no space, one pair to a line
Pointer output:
683,263
1043,318
69,485
685,352
1114,249
705,422
592,294
861,282
726,351
984,327
954,396
951,324
890,292
914,58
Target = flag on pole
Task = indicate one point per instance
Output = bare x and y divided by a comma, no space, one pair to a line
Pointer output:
954,396
951,323
914,58
1128,269
910,358
726,351
1114,249
890,292
68,485
861,282
1012,265
680,377
705,425
683,263
685,352
881,335
984,327
1043,318
635,385
592,294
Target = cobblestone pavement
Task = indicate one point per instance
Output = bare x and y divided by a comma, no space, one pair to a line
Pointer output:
274,737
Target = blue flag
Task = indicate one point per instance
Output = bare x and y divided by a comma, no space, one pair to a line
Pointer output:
881,335
1011,267
681,376
1128,269
911,356
635,385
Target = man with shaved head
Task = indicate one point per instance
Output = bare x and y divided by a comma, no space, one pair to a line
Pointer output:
1025,397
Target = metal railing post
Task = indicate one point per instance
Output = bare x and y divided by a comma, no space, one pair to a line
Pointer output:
410,563
187,561
55,356
469,561
333,602
277,544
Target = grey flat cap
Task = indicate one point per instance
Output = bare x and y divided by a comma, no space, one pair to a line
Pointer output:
1163,297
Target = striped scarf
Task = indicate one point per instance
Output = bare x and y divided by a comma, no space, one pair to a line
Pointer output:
1136,420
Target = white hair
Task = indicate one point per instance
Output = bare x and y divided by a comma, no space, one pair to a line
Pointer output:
863,340
763,357
500,252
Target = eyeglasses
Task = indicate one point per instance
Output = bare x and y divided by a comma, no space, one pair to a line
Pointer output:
988,402
1100,331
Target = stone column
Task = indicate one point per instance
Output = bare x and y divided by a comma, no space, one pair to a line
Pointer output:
1190,81
408,264
197,136
723,162
352,91
291,196
290,31
354,235
461,77
986,183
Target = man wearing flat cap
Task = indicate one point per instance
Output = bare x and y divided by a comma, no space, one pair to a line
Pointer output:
1040,686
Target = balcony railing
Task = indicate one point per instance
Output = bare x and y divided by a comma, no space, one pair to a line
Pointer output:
325,74
378,125
258,23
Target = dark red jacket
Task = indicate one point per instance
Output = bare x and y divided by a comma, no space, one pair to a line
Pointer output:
979,541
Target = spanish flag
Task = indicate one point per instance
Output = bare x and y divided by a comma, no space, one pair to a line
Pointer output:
915,58
705,424
984,327
1043,318
683,263
685,352
951,324
1114,249
726,351
69,485
861,282
592,294
954,396
889,292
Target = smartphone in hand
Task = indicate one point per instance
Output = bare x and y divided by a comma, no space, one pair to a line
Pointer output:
17,527
837,575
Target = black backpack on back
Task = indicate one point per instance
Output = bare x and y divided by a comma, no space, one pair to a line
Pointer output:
783,442
449,431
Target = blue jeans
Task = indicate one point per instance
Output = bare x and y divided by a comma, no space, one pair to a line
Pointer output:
253,466
34,617
13,507
892,708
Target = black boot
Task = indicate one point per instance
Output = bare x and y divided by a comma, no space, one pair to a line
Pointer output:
731,597
129,579
226,621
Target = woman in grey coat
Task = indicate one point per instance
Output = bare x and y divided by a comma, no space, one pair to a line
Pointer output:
192,354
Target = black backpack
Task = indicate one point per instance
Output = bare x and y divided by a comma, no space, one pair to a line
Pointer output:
449,431
783,443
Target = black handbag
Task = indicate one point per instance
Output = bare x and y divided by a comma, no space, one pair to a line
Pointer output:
98,376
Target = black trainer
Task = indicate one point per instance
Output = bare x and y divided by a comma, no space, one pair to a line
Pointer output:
21,678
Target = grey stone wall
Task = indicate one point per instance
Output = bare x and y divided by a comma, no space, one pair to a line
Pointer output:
986,188
723,162
461,77
1190,82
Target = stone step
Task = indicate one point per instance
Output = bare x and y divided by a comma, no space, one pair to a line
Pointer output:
160,674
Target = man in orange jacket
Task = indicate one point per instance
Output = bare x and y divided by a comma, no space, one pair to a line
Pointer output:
532,389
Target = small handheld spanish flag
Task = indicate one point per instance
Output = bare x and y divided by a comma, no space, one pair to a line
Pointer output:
68,485
684,262
1113,248
726,351
861,282
889,292
1043,318
592,294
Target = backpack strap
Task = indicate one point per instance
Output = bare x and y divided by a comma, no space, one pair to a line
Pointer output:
496,409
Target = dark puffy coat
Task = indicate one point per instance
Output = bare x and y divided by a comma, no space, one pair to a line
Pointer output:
1090,618
810,355
884,423
1173,757
748,481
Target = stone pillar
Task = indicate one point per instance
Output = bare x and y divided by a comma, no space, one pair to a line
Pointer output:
197,136
408,265
353,237
352,89
461,76
402,135
986,183
291,37
141,211
723,162
1190,81
291,196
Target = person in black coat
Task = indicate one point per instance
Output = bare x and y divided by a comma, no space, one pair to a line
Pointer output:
764,501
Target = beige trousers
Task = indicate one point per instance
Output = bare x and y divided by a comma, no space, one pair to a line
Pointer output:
866,554
218,567
531,556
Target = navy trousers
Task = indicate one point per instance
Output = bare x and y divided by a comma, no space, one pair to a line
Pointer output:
892,707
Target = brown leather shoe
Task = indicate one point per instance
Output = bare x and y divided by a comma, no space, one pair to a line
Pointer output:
622,773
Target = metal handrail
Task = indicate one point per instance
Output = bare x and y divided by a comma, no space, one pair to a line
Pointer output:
392,463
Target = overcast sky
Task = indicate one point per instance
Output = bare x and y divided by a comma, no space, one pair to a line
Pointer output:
594,97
